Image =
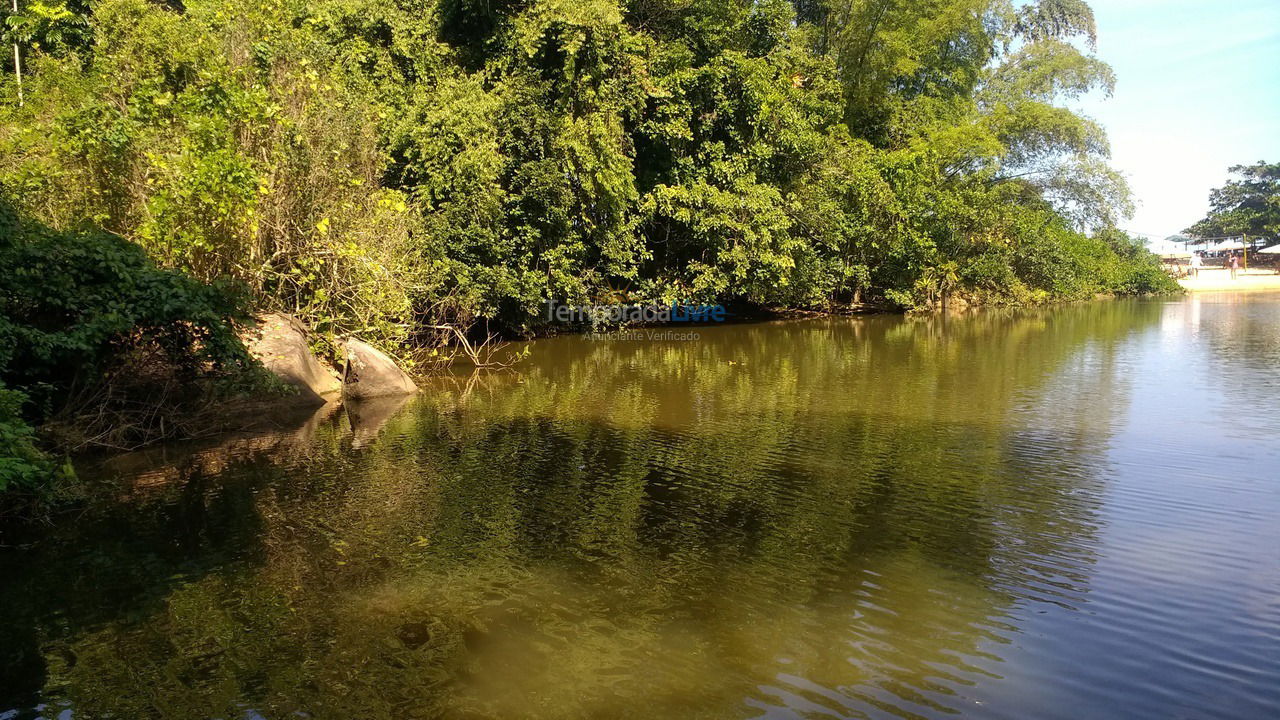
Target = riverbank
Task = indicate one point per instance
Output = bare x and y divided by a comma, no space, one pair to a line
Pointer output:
282,345
1219,279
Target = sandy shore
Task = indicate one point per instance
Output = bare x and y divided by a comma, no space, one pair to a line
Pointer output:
1218,280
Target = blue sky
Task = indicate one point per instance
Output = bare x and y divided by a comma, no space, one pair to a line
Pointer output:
1198,90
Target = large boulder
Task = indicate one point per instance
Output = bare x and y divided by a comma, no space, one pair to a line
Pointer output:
370,373
279,342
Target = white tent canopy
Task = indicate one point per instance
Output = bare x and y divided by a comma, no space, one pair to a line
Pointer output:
1273,250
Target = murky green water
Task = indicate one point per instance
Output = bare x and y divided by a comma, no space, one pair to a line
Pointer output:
1061,514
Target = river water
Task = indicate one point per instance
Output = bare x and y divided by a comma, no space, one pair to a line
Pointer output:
1066,513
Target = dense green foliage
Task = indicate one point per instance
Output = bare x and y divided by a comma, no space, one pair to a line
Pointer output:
22,464
1249,205
369,164
78,307
385,167
73,304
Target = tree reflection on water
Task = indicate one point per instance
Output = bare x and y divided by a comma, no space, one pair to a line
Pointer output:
833,516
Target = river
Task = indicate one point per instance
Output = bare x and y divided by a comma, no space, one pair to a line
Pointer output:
1061,513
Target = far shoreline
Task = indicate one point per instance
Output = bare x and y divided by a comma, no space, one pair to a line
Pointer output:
1219,280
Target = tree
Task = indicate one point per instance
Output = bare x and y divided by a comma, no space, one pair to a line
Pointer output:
381,167
1249,205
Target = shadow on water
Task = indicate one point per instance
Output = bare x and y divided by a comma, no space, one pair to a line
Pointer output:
835,517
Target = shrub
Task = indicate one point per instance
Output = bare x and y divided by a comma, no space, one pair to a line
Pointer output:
87,321
22,465
72,303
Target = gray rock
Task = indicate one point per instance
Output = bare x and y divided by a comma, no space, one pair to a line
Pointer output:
280,343
370,373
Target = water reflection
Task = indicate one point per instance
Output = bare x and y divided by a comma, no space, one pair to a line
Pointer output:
834,517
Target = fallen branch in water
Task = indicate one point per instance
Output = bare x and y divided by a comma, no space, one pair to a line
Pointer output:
482,354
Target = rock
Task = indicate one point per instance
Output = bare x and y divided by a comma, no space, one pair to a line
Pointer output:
370,373
280,343
368,416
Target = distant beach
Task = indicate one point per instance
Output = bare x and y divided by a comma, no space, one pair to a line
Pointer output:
1219,279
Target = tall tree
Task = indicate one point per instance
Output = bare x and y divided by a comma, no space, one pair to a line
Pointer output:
1246,205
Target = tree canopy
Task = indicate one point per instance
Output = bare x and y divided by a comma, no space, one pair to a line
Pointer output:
1248,205
382,166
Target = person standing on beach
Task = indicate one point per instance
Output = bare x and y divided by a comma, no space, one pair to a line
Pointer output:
1234,264
1196,263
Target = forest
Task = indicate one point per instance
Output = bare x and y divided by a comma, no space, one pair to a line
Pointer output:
387,168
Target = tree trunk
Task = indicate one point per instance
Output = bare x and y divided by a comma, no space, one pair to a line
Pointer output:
17,60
